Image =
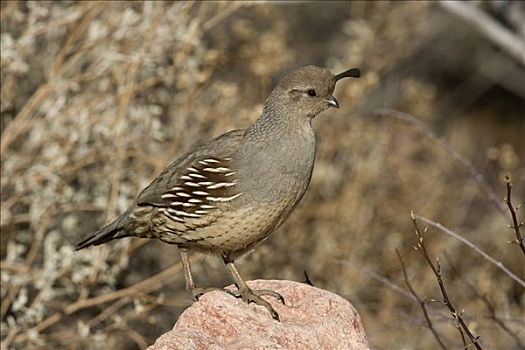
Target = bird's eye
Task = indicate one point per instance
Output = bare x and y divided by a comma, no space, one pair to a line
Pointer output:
312,93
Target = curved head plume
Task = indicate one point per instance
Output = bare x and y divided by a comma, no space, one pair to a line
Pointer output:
351,73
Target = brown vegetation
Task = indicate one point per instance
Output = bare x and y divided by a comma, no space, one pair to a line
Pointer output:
96,97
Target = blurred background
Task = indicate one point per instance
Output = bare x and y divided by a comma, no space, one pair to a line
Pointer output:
97,97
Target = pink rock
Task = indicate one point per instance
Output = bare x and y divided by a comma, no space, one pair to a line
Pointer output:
311,319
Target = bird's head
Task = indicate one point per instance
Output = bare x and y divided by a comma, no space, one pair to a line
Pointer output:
307,91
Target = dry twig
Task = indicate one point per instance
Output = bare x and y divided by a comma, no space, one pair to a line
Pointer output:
516,224
488,303
148,285
421,303
478,250
436,269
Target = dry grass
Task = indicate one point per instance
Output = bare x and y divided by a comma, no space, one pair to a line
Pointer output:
97,97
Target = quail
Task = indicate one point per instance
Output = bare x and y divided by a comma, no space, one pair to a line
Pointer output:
226,196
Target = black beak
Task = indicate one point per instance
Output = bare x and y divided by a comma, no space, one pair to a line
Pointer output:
351,73
332,101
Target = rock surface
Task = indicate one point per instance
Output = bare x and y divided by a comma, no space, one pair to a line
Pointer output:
311,319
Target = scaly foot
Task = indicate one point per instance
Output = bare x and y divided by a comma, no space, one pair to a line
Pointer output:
255,296
199,292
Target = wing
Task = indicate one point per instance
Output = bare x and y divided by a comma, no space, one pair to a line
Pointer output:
198,182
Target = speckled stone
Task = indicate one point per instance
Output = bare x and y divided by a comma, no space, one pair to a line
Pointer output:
311,319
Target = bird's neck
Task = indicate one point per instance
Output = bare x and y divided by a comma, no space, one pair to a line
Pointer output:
282,150
278,123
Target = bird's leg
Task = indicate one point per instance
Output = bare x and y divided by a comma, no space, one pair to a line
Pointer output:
251,296
190,285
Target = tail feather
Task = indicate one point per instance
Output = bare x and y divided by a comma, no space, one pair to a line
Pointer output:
106,233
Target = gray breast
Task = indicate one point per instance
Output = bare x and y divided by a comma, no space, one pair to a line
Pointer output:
276,170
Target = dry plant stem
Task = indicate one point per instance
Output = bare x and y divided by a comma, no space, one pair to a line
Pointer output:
128,331
107,312
463,340
28,263
9,338
21,123
137,338
74,35
71,336
436,269
488,304
476,175
516,224
421,303
449,232
148,285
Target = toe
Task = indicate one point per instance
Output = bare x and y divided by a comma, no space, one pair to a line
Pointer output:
275,315
197,294
270,293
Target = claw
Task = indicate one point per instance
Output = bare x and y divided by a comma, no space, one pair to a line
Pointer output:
275,316
271,293
259,293
255,296
278,297
247,295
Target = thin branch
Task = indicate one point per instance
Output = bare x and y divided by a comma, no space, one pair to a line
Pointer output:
6,342
138,338
22,121
516,224
107,312
449,232
28,263
148,285
488,304
463,340
151,284
421,303
436,269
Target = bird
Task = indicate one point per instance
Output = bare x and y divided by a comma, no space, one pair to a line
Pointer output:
229,194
